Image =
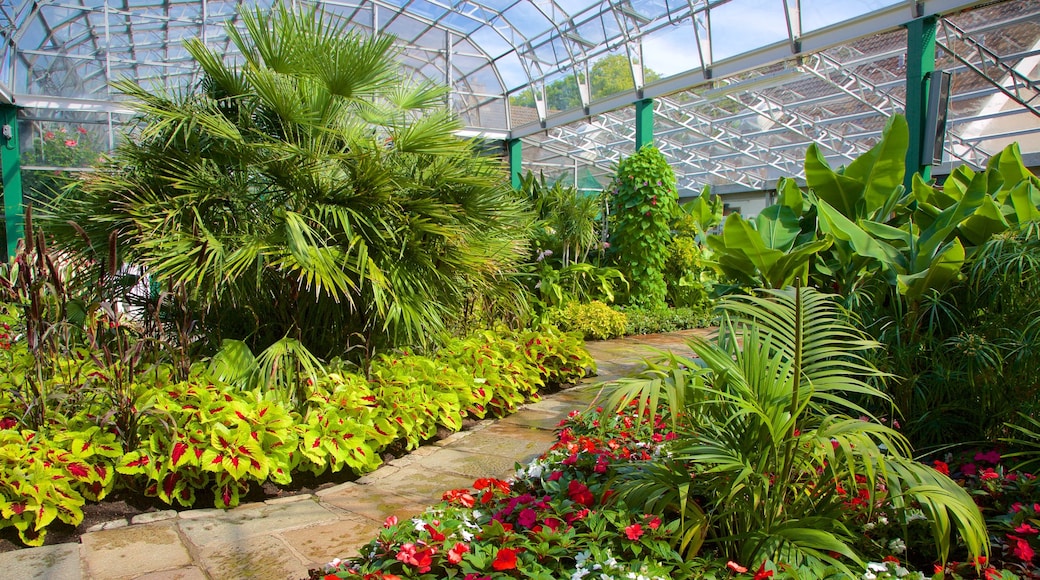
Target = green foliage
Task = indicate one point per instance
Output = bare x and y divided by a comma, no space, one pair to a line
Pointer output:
690,270
309,192
578,282
945,277
770,437
222,440
423,394
594,320
690,276
644,202
344,426
646,321
567,220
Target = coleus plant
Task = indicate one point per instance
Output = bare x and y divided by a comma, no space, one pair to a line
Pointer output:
499,368
343,426
222,439
421,395
45,479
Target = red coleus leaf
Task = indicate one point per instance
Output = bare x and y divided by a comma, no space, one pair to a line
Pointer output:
170,483
179,449
139,462
78,469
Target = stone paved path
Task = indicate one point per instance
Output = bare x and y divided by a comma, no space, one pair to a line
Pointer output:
282,538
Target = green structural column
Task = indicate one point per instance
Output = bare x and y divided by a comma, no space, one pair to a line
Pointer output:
920,62
644,123
12,178
513,149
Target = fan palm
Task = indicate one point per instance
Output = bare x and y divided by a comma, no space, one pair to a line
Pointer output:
308,191
772,440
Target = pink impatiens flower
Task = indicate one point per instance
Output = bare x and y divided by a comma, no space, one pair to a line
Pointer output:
455,554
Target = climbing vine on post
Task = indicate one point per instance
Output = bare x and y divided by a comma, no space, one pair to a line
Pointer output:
645,201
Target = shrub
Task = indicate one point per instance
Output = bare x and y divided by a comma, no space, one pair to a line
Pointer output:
652,321
690,281
594,320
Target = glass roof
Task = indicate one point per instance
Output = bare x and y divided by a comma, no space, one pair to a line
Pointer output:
740,87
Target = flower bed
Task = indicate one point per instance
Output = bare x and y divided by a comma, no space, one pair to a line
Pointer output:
559,518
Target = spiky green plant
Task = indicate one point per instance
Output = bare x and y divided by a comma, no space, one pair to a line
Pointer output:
771,438
308,191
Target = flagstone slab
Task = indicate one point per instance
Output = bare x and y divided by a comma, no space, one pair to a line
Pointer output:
256,558
189,573
554,405
60,561
255,520
115,554
471,465
424,484
506,440
340,539
546,421
376,502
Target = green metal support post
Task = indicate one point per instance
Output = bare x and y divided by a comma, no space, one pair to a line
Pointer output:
920,63
514,150
10,161
644,123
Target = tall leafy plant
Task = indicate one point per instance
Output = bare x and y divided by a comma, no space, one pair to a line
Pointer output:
309,191
644,202
773,441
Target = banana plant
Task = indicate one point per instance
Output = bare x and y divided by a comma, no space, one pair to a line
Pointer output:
769,251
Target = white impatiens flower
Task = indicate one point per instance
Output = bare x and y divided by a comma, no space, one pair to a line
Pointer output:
897,546
419,524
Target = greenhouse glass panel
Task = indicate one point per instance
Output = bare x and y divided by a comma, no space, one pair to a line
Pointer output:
739,27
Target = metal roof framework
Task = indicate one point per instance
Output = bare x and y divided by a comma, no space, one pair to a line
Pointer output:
744,85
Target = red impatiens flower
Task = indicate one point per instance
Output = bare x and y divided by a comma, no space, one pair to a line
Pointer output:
505,559
1022,550
942,467
1025,528
390,521
654,523
762,573
435,534
578,492
634,532
459,496
455,554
